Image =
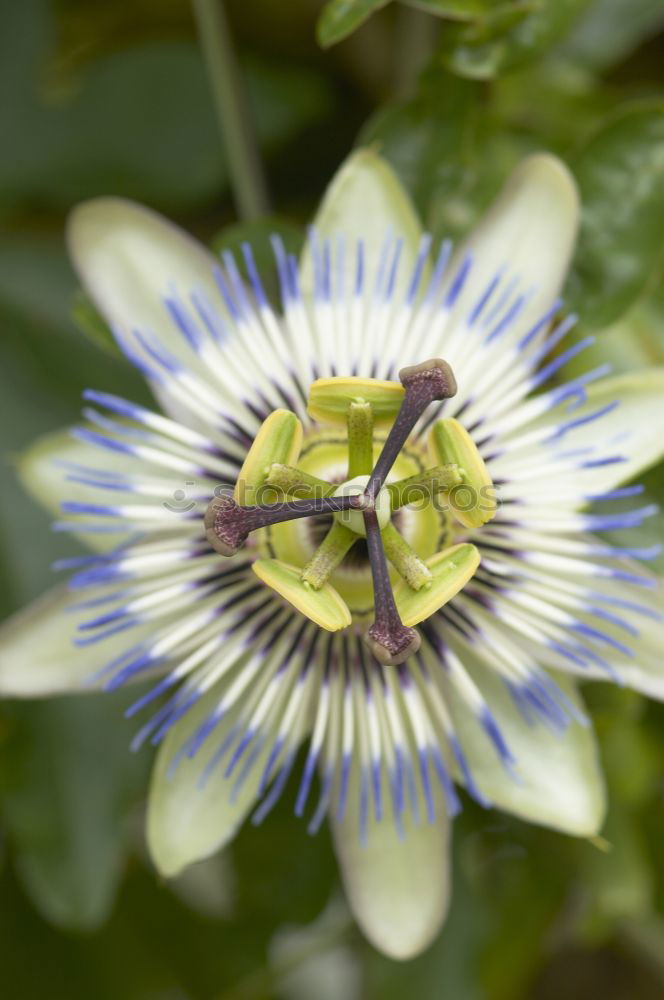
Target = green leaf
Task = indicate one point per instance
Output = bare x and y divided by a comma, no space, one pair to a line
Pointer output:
455,10
424,142
445,148
631,750
108,128
621,177
36,291
284,98
529,889
635,341
341,17
611,30
509,36
298,871
619,880
67,784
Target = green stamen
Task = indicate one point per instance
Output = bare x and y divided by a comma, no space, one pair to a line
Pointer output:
360,439
296,483
424,486
329,554
414,571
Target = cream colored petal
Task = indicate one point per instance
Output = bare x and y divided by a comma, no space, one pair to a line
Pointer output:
557,779
187,820
633,430
629,431
528,233
398,890
366,201
37,653
128,257
44,476
644,671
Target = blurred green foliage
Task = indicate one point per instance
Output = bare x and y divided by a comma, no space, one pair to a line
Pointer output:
619,171
111,98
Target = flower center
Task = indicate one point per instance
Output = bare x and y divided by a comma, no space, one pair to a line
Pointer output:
425,526
354,519
366,501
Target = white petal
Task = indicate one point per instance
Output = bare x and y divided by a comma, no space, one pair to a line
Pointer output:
366,201
633,429
557,777
645,671
528,233
629,431
37,654
398,890
44,477
128,257
187,820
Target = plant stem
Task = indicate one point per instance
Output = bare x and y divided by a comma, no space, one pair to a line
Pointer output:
415,42
244,166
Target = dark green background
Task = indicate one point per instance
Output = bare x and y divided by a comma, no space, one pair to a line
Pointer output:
110,97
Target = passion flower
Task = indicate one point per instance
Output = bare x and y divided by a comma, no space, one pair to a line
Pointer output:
328,545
